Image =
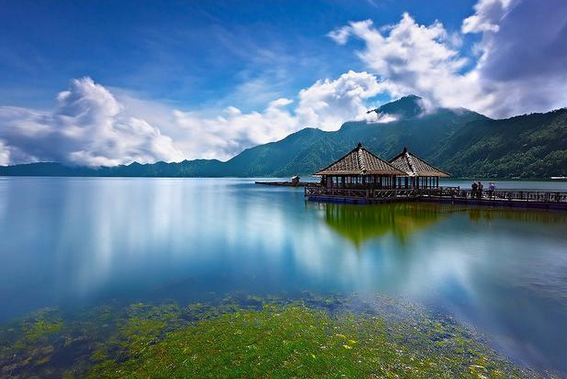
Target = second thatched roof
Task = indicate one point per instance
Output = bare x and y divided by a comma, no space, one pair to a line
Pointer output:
415,166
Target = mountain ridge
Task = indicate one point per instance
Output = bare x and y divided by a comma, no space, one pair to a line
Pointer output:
463,142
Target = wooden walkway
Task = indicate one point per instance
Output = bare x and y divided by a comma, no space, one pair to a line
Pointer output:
454,195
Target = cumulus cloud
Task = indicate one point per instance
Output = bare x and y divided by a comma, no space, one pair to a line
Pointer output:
520,67
227,134
94,127
87,127
487,16
415,59
327,104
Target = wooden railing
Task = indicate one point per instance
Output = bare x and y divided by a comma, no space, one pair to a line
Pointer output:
338,192
441,192
540,196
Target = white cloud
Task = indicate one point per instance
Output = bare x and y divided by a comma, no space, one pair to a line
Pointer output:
92,126
415,59
327,104
520,67
487,16
88,127
227,134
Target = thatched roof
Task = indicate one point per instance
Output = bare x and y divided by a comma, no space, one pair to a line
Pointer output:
360,161
415,166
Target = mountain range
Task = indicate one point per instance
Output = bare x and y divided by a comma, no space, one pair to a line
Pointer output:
460,141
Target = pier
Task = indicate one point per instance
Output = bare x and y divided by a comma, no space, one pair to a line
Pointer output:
362,177
451,195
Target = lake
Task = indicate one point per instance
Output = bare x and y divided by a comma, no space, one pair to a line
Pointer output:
80,242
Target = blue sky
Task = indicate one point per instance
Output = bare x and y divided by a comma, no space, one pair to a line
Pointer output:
183,52
188,79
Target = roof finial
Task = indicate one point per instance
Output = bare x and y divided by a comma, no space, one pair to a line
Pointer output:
359,145
405,149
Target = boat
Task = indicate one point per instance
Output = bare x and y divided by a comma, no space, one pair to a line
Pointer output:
559,178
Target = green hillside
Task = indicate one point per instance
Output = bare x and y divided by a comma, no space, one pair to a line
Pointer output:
308,150
465,143
529,146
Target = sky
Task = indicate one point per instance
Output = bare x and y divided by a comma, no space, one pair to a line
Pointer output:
103,83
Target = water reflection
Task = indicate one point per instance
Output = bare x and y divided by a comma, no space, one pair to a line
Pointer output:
504,269
361,223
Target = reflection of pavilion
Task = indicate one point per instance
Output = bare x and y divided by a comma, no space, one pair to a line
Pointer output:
359,224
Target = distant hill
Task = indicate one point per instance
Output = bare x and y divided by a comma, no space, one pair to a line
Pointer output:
463,142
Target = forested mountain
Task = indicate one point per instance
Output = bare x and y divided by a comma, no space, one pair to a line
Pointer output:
528,146
460,141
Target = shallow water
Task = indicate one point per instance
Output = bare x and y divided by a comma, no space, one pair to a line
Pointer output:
74,242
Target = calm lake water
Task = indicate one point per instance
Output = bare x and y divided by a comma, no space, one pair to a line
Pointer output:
74,242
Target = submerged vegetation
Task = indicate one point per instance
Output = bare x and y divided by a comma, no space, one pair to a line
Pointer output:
249,337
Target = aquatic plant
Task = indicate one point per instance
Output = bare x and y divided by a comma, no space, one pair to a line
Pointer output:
244,336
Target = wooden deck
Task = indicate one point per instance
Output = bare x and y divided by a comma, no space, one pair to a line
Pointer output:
454,195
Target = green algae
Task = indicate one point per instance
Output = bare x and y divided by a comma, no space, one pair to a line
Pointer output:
242,336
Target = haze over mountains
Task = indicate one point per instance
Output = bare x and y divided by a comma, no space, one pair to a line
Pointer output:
460,141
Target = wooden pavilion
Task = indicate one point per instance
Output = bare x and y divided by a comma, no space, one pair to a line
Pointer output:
418,173
360,169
